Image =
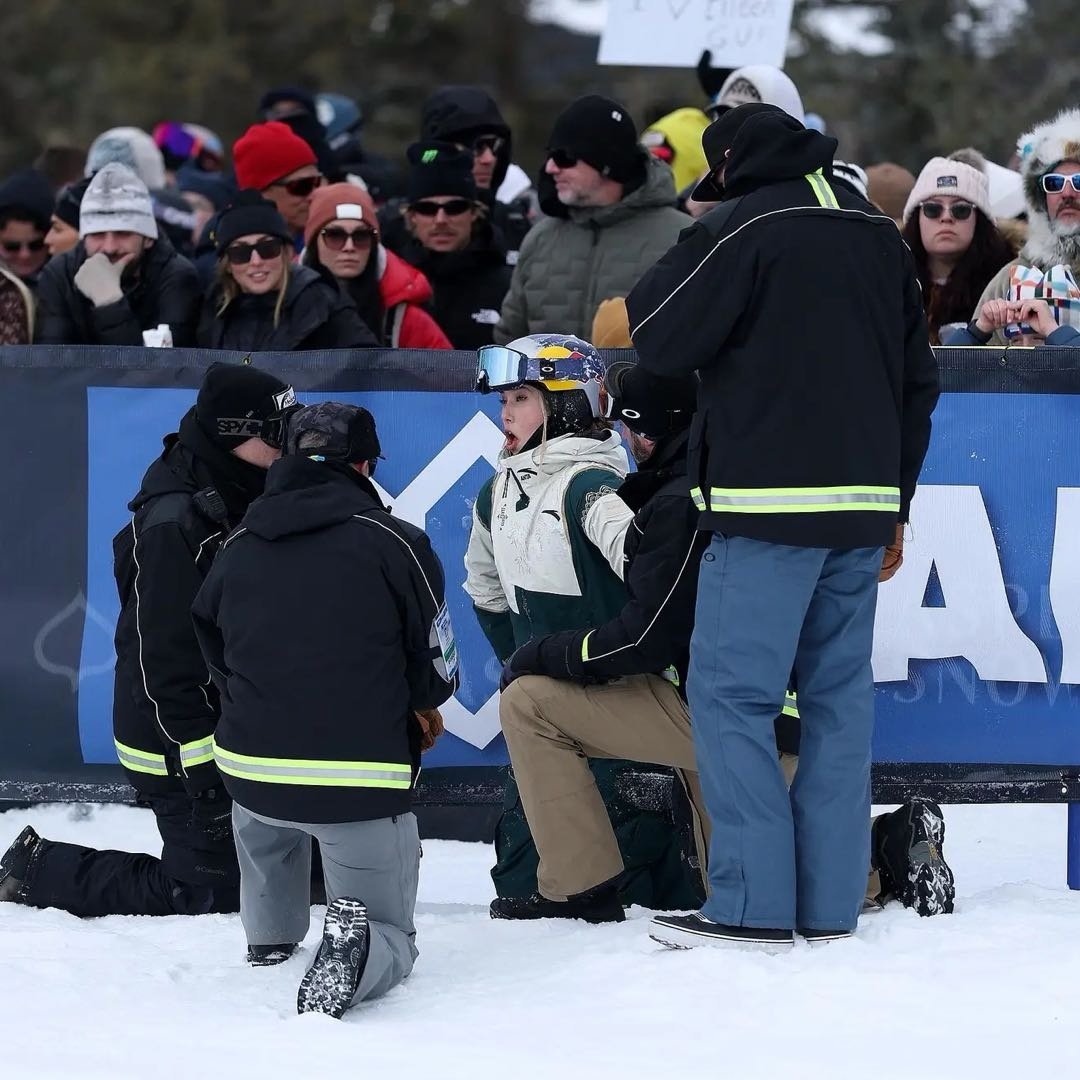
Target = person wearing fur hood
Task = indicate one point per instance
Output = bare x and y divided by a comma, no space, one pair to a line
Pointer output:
1050,167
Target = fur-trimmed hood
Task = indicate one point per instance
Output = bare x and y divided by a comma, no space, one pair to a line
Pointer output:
1040,150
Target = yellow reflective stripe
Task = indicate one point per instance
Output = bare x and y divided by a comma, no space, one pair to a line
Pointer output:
140,760
373,774
198,752
791,705
672,675
585,646
813,500
822,190
699,498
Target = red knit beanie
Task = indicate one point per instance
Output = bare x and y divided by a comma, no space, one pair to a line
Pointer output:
345,201
267,152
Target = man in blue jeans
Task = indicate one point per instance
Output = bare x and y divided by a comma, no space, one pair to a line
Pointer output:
798,305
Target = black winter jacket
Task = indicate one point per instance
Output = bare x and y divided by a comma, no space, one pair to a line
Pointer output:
163,288
316,315
164,706
469,286
800,308
319,621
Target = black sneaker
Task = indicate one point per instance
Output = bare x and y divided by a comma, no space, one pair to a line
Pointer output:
686,931
595,906
268,955
817,936
908,854
332,979
15,864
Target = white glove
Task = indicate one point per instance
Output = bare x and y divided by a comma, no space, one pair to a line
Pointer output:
98,279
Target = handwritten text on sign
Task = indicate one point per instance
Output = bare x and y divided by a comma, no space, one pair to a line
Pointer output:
672,33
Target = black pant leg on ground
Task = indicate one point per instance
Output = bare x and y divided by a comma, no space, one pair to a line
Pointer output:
195,875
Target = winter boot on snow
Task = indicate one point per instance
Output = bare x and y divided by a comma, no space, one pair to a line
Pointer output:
599,905
332,979
15,864
268,955
907,852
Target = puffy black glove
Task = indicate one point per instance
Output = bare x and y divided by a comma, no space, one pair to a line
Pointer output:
211,814
710,78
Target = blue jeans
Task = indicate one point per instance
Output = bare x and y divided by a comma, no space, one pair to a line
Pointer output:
784,859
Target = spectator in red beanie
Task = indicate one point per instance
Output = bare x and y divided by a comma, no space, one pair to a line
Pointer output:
342,237
271,159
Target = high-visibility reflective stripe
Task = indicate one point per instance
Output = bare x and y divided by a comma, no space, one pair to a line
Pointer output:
373,774
821,189
699,498
672,675
791,705
803,500
585,646
198,752
140,760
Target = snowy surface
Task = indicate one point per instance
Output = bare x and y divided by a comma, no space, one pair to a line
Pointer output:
988,992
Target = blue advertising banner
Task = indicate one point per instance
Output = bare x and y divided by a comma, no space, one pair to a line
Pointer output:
977,646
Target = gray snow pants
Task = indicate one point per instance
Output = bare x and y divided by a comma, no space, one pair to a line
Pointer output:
377,862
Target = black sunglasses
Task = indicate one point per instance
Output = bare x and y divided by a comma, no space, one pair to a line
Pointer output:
452,207
336,237
300,188
563,159
494,143
960,211
269,247
11,246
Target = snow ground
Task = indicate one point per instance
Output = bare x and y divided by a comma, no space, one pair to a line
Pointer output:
988,992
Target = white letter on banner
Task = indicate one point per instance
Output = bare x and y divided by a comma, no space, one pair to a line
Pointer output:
951,531
1065,582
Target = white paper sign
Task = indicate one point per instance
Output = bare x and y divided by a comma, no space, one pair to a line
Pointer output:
672,33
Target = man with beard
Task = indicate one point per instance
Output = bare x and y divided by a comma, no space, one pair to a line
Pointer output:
453,243
1050,167
121,278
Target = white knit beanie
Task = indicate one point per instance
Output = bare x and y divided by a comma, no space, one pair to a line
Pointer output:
944,176
116,200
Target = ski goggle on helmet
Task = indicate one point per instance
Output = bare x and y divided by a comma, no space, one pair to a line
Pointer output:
556,362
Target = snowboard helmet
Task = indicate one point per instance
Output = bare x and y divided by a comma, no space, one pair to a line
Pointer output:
568,372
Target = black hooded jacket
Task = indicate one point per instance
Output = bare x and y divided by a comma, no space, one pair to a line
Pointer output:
469,285
164,706
800,308
162,287
316,315
320,621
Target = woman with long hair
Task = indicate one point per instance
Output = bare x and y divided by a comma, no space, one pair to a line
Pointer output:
342,238
949,226
260,301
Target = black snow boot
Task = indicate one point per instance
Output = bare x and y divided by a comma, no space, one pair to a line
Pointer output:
907,852
268,955
15,864
599,905
332,979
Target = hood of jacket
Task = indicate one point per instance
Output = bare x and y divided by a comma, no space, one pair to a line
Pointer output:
456,113
772,147
656,189
1040,150
400,283
171,473
304,496
604,451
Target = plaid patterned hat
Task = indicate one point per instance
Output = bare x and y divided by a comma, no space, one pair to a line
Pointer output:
333,431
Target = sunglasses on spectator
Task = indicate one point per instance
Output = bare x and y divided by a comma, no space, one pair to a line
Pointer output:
563,159
269,247
452,207
11,246
335,237
494,143
301,188
960,211
1054,182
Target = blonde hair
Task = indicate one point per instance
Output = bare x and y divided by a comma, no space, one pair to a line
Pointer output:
230,290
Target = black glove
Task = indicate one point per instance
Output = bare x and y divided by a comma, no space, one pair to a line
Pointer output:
211,814
710,78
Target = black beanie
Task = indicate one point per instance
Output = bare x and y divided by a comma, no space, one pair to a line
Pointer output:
439,168
248,213
234,401
69,200
648,404
601,133
27,192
